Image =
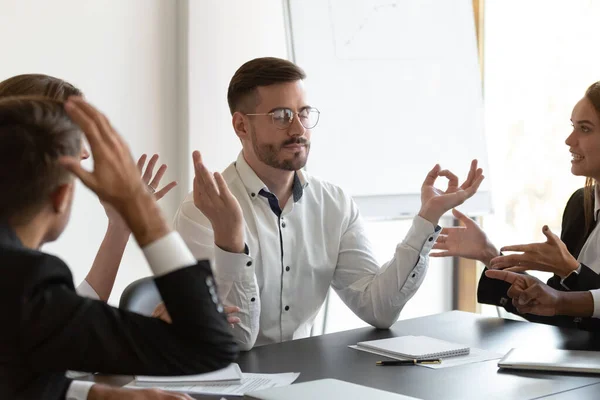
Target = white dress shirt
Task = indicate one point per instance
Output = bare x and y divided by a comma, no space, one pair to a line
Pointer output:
318,241
590,253
164,255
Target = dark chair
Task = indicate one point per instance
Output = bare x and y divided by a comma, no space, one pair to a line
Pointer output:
140,296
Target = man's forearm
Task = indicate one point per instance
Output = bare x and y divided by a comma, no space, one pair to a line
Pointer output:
575,304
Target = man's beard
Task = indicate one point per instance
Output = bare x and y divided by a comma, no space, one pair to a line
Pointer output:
267,153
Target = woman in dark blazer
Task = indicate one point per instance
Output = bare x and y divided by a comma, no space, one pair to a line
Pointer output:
562,256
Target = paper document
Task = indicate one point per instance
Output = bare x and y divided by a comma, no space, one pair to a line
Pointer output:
249,383
229,374
476,355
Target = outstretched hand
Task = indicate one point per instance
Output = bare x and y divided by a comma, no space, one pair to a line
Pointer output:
214,199
150,180
468,241
435,202
550,256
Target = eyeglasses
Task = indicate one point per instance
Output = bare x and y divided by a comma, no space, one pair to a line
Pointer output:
283,117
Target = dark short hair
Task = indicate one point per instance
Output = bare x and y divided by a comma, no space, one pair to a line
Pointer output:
241,94
34,133
38,85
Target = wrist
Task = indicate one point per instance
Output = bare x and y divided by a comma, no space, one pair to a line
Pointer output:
490,252
575,304
430,215
571,265
102,392
144,218
230,243
118,226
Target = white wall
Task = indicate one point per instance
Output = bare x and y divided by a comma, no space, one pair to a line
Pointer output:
121,55
222,36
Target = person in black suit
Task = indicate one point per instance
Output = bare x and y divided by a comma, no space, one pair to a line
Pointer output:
47,327
571,297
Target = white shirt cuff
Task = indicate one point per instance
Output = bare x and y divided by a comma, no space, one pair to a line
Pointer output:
596,296
86,290
79,390
168,254
234,267
422,235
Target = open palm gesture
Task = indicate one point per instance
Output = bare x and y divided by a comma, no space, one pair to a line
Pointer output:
468,241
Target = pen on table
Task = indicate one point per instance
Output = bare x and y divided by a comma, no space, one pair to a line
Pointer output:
409,362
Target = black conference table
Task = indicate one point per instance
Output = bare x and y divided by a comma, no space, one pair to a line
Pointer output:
328,356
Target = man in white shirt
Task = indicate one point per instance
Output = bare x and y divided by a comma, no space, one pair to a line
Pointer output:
280,237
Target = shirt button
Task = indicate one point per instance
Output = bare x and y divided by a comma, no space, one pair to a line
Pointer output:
209,281
413,275
287,268
249,263
283,224
430,239
253,194
253,299
220,308
287,308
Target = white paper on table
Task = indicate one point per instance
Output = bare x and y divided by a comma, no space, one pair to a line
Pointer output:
475,355
230,374
250,383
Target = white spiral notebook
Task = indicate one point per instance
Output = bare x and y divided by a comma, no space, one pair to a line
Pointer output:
420,347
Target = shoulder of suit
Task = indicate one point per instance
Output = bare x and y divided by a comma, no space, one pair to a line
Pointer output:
576,197
30,266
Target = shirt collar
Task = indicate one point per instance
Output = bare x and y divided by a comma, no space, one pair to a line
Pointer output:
253,184
596,201
8,236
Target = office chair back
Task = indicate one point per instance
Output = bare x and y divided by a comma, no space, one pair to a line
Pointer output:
140,296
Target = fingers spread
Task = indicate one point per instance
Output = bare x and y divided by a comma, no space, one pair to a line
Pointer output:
162,192
159,175
150,169
141,162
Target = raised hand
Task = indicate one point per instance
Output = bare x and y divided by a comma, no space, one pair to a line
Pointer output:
214,199
550,256
115,178
113,216
435,202
468,241
155,182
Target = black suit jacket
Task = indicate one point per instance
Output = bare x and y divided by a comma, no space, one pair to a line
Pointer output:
48,329
574,235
